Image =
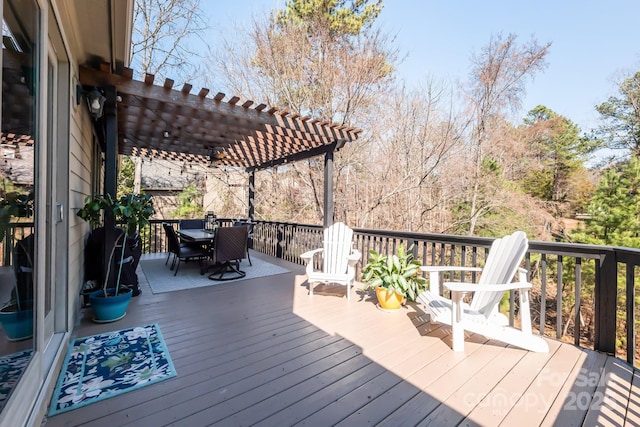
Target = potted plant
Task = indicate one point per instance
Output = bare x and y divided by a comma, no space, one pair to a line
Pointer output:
134,210
16,315
395,277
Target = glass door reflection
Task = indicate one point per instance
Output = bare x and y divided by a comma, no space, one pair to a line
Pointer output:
20,70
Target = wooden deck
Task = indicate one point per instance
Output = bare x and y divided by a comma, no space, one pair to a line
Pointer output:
262,352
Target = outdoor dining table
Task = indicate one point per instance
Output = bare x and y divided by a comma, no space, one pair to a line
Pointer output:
197,236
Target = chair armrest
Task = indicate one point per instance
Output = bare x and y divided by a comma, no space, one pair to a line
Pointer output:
354,257
308,256
430,268
473,287
434,274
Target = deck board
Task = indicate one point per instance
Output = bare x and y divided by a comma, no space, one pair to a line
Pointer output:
262,352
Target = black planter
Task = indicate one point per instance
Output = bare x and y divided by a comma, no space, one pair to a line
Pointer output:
94,268
23,270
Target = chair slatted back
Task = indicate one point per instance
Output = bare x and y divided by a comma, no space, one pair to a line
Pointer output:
505,256
230,244
336,248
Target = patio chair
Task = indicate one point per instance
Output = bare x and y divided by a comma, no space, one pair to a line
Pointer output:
229,248
249,226
191,224
338,258
182,251
481,316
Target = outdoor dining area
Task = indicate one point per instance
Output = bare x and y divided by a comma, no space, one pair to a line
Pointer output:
215,247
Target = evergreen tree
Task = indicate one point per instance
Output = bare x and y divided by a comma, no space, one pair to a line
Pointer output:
341,17
615,208
189,203
559,153
125,176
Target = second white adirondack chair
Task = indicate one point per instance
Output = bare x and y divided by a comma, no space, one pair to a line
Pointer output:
481,316
338,258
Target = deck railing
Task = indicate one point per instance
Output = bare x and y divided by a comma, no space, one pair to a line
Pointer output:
584,294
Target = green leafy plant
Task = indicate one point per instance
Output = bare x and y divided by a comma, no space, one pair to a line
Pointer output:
132,209
14,204
135,210
398,273
91,212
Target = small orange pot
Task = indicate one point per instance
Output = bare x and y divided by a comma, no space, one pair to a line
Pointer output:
387,300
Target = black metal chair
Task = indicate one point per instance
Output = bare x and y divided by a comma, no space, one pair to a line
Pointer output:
182,251
190,224
229,248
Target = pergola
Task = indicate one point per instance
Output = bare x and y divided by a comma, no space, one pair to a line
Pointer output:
147,120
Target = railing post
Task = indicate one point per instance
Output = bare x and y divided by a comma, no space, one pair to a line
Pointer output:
605,302
631,309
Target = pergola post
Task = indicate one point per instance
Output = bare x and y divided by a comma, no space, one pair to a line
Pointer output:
328,189
252,200
110,174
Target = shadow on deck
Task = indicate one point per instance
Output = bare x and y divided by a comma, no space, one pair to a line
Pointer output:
262,352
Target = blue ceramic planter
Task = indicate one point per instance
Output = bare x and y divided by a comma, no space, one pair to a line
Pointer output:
111,308
18,325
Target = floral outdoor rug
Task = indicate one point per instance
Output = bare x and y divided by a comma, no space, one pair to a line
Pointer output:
11,369
105,365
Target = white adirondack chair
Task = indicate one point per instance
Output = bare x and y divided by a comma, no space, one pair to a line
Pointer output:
338,258
481,316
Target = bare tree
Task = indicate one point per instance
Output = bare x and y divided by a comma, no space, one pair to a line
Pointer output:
159,45
312,65
161,31
496,85
403,180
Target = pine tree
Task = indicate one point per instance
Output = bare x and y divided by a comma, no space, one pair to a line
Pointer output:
615,208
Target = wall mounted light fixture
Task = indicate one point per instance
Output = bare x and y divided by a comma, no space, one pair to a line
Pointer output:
95,100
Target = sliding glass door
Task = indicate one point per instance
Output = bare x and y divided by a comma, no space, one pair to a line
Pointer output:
18,188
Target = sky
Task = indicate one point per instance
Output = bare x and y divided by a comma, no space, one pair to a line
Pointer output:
593,42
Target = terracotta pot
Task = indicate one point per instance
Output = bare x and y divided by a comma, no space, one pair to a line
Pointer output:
387,300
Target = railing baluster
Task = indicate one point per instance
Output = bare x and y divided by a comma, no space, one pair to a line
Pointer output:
559,299
434,253
463,255
543,292
577,303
